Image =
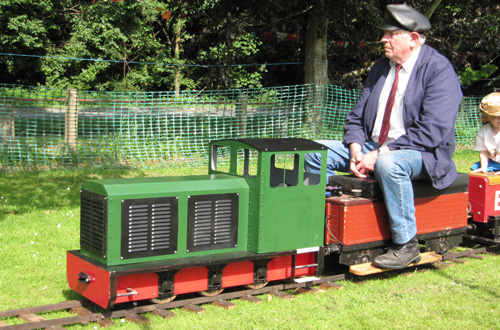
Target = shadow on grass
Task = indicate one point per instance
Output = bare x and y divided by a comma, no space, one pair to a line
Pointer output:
69,294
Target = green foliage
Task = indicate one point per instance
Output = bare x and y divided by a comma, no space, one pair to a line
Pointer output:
467,33
109,33
218,44
28,27
244,46
469,76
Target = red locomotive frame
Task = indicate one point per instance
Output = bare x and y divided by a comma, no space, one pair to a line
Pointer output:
107,286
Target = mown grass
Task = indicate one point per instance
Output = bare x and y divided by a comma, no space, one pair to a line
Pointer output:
39,214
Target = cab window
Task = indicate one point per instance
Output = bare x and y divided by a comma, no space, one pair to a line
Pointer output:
221,158
284,170
247,162
311,179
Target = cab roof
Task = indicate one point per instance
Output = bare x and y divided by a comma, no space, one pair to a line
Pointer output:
282,144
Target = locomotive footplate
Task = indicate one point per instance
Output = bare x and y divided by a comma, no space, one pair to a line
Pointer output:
439,242
369,269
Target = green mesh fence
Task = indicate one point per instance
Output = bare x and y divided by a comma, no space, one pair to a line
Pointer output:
43,128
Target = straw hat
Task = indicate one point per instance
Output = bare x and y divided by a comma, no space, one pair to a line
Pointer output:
490,104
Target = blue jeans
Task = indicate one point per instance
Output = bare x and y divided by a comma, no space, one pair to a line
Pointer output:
492,166
394,171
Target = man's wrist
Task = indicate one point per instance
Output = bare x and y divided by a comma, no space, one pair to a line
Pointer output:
382,150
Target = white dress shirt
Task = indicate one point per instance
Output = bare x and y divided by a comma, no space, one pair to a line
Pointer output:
397,127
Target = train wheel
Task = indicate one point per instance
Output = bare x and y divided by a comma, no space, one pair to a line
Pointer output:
162,301
256,286
210,293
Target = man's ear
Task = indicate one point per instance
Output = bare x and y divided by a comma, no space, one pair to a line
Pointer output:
414,38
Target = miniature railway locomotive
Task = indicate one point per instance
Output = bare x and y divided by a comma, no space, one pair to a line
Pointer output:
256,217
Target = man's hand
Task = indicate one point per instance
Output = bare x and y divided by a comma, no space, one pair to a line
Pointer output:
362,165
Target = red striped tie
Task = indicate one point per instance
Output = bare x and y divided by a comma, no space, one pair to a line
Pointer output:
386,123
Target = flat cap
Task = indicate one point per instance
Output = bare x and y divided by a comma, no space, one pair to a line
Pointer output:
405,17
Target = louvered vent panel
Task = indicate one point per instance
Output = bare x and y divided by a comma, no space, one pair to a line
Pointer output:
149,227
161,229
213,222
93,222
202,223
138,228
223,221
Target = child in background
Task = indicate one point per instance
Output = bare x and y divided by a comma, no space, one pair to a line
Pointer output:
488,137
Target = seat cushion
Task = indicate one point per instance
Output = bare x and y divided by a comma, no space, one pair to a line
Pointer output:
421,188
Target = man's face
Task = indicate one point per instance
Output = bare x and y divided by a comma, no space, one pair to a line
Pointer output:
397,45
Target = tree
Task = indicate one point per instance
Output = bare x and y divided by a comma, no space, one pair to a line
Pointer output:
458,32
119,39
238,40
220,44
173,25
353,40
155,32
467,33
29,28
315,68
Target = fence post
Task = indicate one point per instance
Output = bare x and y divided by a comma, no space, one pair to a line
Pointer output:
241,113
7,132
317,103
71,123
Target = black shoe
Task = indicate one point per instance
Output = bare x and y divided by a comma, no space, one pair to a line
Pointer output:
400,256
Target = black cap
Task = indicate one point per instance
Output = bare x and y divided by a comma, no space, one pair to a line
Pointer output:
406,18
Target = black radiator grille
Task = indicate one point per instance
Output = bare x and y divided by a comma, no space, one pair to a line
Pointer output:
93,222
149,227
213,222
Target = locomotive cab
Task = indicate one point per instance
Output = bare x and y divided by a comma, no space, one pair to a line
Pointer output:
287,203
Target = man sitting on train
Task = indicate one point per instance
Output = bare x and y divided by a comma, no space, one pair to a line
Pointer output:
402,127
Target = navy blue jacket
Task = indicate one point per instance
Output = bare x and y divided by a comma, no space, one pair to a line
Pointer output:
430,108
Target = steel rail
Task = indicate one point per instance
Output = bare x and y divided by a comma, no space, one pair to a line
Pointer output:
88,316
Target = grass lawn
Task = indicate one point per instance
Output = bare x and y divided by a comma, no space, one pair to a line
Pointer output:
39,222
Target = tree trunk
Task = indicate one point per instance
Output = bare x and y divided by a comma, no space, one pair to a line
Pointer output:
316,62
177,50
7,131
432,8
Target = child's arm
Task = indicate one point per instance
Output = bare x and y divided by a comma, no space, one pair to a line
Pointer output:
483,158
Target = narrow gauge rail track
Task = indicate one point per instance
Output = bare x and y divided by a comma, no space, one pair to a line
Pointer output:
133,313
